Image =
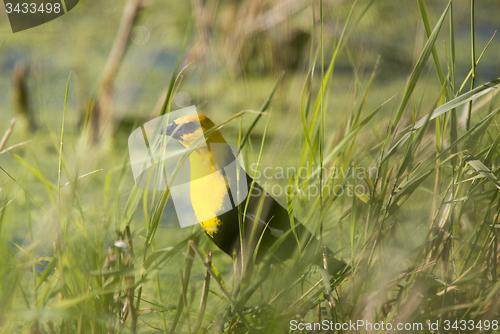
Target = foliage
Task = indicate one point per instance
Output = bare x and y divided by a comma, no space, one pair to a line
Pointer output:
85,251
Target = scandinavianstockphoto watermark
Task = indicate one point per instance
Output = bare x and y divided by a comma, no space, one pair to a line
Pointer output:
350,180
447,325
307,172
359,325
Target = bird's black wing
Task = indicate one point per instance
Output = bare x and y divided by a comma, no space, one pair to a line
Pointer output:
265,222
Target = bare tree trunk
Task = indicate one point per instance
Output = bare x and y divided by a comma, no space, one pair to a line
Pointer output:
102,115
20,95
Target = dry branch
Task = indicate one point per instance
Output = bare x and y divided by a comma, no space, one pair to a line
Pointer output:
7,134
102,115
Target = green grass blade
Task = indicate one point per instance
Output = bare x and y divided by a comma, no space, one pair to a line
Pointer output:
427,26
473,61
174,76
263,108
482,169
303,116
347,139
456,102
47,271
24,191
417,71
62,141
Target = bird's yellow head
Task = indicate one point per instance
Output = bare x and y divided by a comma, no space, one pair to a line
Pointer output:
186,129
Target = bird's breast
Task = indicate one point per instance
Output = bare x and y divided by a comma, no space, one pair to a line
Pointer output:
208,192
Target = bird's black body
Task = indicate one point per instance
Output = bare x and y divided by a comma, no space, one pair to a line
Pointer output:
266,224
264,217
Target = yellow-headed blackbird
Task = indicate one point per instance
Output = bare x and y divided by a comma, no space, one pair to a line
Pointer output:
266,222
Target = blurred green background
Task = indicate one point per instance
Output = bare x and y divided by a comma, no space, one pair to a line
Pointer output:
235,51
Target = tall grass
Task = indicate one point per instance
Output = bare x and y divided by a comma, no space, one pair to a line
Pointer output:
421,241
